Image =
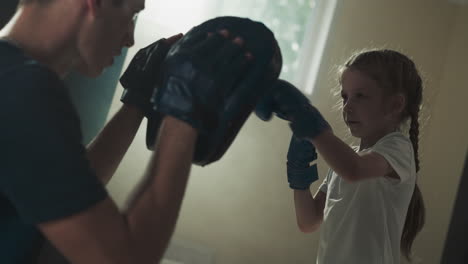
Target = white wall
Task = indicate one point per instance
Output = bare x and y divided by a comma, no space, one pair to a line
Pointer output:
241,206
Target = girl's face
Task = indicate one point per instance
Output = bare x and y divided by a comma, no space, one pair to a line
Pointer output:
366,110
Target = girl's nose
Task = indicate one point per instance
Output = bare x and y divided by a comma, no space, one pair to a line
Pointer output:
347,107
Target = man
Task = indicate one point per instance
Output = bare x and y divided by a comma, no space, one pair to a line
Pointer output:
51,187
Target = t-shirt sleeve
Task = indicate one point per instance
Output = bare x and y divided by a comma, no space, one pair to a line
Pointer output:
324,186
398,151
46,174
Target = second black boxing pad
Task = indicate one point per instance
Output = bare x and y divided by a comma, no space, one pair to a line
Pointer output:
240,101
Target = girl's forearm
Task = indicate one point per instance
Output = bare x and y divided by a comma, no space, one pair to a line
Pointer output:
309,211
338,155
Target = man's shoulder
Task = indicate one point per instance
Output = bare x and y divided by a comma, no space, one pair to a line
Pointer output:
26,75
29,87
26,82
22,70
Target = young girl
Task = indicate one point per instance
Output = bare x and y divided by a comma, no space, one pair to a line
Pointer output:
369,206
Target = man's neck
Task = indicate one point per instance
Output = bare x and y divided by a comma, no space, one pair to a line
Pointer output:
49,42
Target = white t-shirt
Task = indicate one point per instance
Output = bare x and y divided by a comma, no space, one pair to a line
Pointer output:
363,221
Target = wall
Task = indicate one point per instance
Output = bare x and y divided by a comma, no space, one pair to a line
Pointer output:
241,206
445,146
93,97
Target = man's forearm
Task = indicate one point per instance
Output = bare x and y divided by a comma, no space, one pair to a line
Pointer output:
107,150
152,216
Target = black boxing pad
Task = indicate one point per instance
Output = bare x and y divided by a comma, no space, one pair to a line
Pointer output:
262,73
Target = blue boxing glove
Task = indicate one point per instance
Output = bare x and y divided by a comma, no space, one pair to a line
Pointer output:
300,168
288,103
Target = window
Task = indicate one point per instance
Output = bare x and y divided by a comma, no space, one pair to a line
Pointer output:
301,27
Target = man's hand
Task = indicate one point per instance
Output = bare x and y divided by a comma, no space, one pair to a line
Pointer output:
144,73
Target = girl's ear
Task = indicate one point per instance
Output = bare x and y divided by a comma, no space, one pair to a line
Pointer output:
395,106
399,104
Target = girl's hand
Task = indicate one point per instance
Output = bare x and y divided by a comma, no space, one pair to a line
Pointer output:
288,103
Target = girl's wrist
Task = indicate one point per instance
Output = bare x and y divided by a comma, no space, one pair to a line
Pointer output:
327,133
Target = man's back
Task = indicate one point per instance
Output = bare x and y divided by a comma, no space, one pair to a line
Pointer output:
42,164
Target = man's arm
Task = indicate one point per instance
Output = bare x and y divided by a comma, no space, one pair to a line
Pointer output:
103,235
100,234
309,210
107,150
173,160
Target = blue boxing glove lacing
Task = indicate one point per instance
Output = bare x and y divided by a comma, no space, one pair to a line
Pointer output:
301,169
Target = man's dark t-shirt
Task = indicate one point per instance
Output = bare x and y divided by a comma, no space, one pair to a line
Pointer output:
44,173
